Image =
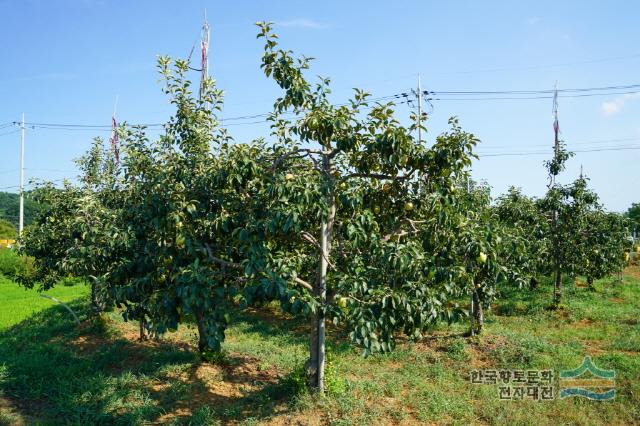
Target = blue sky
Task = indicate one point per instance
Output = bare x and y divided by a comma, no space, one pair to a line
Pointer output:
65,61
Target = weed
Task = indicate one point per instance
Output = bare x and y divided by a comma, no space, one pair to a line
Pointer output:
457,350
53,372
220,357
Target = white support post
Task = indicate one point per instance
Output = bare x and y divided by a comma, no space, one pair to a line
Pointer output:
21,224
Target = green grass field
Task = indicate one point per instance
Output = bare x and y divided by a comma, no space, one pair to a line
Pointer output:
54,372
17,304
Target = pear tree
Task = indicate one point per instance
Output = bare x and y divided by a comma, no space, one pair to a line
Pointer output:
352,197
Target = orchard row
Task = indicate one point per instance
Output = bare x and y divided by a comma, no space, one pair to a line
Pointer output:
343,216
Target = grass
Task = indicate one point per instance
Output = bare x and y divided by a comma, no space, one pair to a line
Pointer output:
53,372
18,304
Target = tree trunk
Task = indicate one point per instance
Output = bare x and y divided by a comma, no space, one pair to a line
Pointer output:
478,314
557,285
533,284
143,334
316,363
590,283
202,331
311,365
96,305
557,288
472,317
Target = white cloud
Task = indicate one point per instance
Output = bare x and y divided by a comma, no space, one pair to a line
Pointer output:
610,108
302,23
614,106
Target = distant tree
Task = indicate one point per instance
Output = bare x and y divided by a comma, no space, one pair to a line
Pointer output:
7,229
601,246
567,209
481,248
10,208
633,213
527,237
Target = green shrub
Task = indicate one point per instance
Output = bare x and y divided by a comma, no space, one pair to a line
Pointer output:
296,381
335,384
13,265
70,281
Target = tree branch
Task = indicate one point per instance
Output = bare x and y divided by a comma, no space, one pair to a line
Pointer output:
303,283
239,266
335,152
286,155
413,223
378,176
219,261
307,236
370,175
398,232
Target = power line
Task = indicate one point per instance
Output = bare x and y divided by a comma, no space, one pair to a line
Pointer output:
591,142
107,127
50,170
436,95
267,114
532,92
246,123
516,154
532,97
82,126
88,129
480,155
36,183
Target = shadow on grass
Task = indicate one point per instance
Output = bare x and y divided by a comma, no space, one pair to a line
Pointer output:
268,322
56,372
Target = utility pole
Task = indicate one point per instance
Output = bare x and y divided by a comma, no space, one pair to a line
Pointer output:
204,54
557,285
556,125
419,94
114,134
21,224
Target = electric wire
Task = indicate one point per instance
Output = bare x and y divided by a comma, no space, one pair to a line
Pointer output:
430,95
532,92
515,154
34,184
495,98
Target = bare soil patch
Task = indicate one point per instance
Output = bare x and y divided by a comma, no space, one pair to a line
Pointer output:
583,323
